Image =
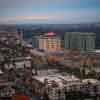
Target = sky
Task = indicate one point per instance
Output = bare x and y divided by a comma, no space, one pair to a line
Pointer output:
49,11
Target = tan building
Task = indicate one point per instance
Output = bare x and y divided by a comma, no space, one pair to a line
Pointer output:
49,41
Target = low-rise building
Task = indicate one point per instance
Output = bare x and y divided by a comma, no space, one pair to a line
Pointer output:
54,85
6,90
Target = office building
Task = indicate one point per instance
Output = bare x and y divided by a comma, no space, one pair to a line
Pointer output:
79,41
35,41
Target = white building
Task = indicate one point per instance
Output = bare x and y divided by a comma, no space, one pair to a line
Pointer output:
54,85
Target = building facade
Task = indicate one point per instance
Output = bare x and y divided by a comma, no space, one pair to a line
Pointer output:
80,41
35,41
48,41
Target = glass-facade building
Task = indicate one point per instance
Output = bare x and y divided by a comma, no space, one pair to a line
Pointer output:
79,41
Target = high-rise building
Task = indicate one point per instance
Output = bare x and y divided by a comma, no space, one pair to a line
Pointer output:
35,41
48,41
79,41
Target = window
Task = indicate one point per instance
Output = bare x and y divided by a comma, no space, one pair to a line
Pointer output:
85,45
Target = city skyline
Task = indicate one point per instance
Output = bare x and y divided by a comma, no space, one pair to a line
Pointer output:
49,11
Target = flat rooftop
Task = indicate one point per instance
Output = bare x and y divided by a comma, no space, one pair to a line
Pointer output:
56,77
81,33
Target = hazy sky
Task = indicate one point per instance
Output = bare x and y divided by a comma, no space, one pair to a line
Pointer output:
49,11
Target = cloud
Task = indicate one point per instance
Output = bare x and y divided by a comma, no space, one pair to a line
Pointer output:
35,18
56,17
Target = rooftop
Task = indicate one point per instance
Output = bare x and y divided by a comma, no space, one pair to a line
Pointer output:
58,78
1,72
81,33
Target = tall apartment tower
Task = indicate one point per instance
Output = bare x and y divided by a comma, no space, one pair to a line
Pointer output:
20,33
35,41
79,41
